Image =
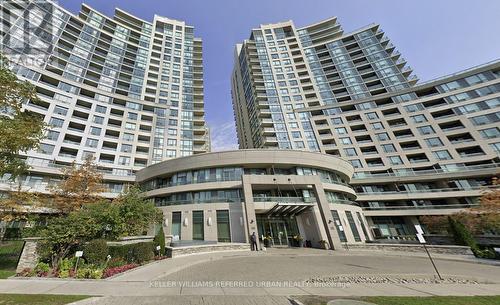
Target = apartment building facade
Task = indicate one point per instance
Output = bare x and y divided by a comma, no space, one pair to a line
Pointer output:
127,91
417,149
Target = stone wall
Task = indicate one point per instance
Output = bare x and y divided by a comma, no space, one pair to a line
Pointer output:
29,257
438,249
182,251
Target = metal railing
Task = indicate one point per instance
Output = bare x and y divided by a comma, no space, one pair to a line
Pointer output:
421,207
453,189
285,199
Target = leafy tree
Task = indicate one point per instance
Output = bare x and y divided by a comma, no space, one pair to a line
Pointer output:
136,212
64,233
81,185
20,131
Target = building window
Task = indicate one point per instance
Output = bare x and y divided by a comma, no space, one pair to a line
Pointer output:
425,130
52,135
377,126
395,160
442,155
419,118
490,133
223,226
434,142
350,152
198,225
55,122
46,149
388,148
338,224
176,224
352,224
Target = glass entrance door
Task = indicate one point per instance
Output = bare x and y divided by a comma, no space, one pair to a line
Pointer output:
277,231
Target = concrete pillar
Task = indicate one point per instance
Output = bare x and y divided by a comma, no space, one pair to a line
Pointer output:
249,214
326,216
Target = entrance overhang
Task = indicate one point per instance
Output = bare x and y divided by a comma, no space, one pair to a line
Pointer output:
287,209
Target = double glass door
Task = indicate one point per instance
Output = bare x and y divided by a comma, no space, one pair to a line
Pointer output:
278,231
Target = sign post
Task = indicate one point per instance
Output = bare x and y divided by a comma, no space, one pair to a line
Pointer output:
421,239
78,254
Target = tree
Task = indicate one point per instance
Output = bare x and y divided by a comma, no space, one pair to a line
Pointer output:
159,240
64,233
20,130
136,212
81,185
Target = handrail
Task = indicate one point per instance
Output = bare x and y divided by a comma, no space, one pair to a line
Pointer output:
422,207
452,189
285,199
361,175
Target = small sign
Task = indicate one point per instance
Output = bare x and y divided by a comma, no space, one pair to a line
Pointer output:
497,250
79,254
158,248
341,228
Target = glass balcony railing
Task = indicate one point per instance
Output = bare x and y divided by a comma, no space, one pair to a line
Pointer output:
285,199
421,207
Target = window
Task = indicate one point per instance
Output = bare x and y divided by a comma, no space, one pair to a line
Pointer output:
132,116
126,148
296,134
198,225
395,160
98,119
95,131
171,153
223,226
340,130
434,142
388,148
346,141
337,121
124,160
377,126
352,224
60,110
419,118
486,119
425,130
356,163
46,149
350,152
176,224
338,224
130,126
52,135
55,122
383,136
495,147
100,109
128,137
490,133
442,155
372,115
92,143
299,144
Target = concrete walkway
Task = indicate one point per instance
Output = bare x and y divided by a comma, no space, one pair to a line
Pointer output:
278,272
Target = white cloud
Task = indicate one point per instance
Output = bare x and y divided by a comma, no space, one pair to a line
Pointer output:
223,136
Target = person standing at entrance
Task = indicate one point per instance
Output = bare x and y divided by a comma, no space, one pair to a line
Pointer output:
253,240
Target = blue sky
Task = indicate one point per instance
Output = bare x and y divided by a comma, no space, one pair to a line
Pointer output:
436,37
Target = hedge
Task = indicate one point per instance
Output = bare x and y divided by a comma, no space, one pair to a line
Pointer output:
133,253
95,251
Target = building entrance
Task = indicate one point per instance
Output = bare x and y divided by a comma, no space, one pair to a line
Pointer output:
277,231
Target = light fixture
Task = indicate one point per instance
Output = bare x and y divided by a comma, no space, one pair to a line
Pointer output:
166,222
186,222
209,221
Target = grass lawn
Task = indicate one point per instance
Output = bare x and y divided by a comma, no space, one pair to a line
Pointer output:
479,300
9,254
38,299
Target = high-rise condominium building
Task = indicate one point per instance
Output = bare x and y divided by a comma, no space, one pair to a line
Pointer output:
417,149
127,91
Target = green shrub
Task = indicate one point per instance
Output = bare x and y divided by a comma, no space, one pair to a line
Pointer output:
89,272
143,252
67,264
160,241
12,233
461,234
42,269
95,251
133,253
484,253
116,262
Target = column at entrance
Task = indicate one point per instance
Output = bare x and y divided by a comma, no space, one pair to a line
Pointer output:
249,215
